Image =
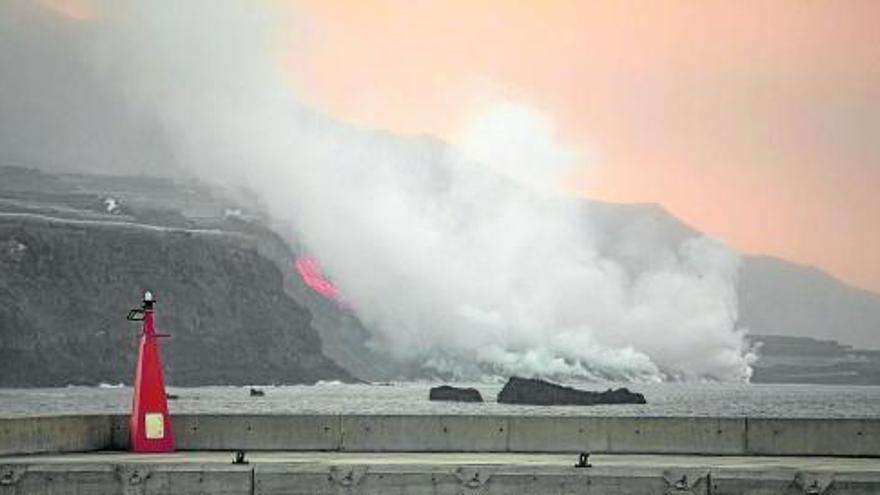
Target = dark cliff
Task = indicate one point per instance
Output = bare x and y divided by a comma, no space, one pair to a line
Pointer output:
68,277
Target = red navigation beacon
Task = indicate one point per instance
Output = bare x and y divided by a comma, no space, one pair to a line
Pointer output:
150,427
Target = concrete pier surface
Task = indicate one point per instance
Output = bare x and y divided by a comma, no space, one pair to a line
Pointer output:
432,473
430,454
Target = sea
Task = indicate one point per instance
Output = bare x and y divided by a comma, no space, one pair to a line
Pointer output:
663,399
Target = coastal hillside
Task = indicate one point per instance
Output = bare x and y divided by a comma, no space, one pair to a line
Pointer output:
776,296
73,263
77,250
785,359
783,298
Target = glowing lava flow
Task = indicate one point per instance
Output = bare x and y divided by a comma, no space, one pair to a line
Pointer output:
311,274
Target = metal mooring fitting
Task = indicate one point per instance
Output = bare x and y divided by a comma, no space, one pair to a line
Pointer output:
472,478
813,488
583,460
238,457
682,483
135,478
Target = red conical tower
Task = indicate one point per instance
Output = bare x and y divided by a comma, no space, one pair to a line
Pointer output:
150,427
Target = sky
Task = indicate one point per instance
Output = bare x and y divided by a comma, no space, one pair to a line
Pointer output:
757,122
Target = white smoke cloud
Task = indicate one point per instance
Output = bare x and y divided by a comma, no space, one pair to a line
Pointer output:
459,256
517,141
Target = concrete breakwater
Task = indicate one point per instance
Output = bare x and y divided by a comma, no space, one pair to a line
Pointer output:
455,433
439,455
338,473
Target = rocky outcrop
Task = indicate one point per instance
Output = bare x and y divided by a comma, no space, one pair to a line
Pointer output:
455,394
539,392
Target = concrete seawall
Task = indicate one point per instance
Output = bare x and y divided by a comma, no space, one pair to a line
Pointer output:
452,433
454,455
56,434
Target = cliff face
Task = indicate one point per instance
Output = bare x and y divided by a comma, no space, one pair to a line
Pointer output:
67,280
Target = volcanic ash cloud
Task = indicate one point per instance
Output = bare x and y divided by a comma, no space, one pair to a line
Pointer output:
461,257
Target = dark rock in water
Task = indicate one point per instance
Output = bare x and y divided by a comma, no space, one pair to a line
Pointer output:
539,392
255,392
172,396
445,392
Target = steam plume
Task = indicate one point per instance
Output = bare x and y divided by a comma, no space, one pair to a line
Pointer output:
460,256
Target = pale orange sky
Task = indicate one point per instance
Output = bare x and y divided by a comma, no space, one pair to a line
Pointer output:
755,121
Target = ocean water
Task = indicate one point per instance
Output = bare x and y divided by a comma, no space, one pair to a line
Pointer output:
664,399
